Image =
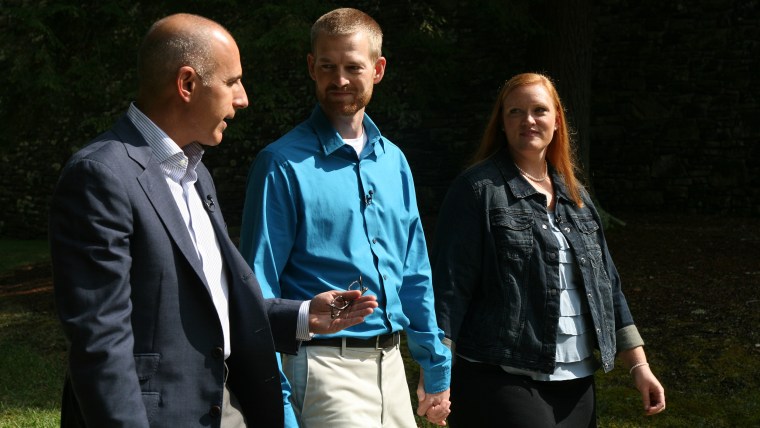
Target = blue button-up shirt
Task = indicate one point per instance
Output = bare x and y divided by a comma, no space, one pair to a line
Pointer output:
317,216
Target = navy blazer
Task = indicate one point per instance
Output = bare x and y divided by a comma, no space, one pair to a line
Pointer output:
146,344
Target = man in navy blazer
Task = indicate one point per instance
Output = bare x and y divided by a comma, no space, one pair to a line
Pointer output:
165,320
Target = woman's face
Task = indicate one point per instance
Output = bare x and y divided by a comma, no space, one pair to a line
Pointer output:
529,120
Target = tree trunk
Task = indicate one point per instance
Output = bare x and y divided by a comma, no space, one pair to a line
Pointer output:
564,53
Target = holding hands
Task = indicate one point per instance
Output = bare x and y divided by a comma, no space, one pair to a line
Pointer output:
435,407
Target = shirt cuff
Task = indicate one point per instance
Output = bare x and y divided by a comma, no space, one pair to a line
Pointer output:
628,338
302,329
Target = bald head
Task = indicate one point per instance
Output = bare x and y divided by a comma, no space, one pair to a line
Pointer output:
176,41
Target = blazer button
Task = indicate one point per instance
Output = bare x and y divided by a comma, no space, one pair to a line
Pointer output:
215,411
217,352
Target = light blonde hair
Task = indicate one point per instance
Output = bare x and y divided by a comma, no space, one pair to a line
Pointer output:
559,152
347,21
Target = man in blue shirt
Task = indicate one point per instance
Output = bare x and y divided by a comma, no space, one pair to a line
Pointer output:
331,205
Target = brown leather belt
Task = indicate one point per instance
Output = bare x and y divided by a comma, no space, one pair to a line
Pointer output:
378,342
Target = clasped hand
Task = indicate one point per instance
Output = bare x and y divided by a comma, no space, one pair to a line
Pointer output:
434,407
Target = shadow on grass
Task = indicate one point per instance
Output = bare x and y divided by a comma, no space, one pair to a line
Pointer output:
693,285
33,350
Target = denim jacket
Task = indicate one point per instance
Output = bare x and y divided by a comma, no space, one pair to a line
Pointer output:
496,269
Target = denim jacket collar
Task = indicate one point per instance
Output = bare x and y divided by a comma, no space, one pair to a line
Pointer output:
519,185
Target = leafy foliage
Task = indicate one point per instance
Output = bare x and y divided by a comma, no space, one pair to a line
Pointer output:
70,72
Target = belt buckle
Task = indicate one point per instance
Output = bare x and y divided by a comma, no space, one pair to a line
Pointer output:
396,341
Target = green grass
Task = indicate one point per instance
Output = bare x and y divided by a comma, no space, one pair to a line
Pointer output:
32,348
16,253
711,380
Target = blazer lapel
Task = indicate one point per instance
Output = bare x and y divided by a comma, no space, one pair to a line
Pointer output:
153,183
206,190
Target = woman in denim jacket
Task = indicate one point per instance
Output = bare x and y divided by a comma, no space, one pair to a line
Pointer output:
525,288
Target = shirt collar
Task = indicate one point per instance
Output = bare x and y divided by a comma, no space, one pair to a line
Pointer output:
330,139
175,161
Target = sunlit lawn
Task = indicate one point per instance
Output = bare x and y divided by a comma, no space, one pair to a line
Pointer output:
711,380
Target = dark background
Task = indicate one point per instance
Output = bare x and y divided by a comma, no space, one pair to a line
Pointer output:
664,94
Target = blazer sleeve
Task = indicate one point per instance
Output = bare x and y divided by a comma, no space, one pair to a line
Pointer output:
90,227
283,317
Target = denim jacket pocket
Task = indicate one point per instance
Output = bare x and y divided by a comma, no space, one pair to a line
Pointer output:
512,233
590,234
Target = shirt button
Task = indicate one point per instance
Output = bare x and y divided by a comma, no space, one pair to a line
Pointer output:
543,226
374,240
385,276
217,352
567,230
215,411
553,291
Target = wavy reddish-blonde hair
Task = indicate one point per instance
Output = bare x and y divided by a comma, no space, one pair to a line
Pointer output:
559,153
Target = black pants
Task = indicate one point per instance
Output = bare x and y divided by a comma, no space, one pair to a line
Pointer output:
484,395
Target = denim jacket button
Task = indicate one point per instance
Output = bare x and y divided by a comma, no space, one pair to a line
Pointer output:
543,226
567,230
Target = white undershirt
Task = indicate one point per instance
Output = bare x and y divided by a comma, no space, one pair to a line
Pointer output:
357,143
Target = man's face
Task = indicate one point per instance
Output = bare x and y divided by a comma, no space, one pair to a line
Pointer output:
220,95
345,73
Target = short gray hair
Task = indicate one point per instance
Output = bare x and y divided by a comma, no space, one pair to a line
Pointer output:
168,46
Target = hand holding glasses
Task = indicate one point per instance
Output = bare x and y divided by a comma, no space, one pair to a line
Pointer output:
341,305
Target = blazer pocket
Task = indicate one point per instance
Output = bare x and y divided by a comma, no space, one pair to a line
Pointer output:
146,365
151,401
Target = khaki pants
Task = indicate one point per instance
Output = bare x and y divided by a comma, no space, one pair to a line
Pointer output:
353,388
232,417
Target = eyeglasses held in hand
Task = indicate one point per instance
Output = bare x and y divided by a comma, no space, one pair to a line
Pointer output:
341,305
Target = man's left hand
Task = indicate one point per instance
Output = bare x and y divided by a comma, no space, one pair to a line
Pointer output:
435,407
